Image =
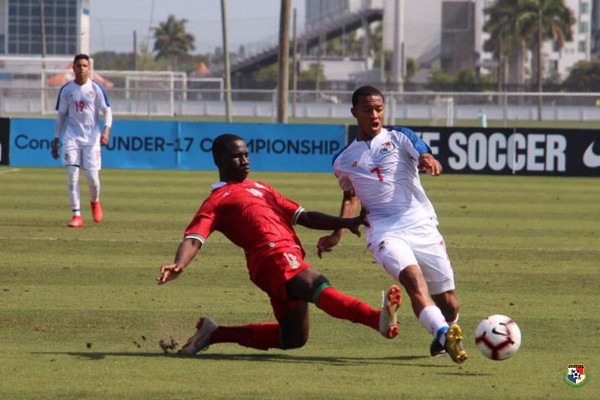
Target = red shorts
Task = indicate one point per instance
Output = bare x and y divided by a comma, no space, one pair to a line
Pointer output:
271,269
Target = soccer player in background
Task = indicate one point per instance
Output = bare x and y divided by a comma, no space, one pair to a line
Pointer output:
380,170
79,105
257,218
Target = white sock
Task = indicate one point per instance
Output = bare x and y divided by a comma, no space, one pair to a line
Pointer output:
433,320
455,320
73,188
93,181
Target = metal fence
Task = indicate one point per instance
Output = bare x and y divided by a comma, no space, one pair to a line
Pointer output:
176,94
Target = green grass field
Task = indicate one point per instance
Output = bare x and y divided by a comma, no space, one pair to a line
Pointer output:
81,315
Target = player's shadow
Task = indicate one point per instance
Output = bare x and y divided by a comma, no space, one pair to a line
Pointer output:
278,358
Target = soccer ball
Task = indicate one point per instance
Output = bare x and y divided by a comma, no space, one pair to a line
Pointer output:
498,337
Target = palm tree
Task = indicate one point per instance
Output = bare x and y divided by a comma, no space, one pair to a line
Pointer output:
506,42
515,25
543,20
172,42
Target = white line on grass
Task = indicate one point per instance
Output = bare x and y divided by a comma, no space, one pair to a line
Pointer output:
9,170
51,239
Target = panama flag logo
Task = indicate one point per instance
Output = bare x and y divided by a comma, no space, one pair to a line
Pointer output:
575,375
387,148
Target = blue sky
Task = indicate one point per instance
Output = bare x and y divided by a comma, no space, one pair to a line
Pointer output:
250,22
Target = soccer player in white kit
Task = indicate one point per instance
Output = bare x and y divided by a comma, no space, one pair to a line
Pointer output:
78,121
380,170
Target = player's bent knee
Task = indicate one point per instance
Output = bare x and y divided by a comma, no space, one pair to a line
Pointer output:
294,342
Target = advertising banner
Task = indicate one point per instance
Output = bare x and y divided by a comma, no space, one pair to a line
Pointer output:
520,151
187,145
311,147
4,140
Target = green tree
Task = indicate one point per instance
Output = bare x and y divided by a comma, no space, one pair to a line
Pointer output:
465,81
411,69
110,60
267,77
584,77
314,73
172,42
440,80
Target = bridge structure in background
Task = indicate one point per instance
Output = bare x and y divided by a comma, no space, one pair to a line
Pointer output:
334,25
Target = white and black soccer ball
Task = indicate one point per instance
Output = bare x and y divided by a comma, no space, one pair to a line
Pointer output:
498,337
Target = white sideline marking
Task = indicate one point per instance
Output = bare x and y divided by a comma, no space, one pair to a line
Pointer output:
51,239
9,170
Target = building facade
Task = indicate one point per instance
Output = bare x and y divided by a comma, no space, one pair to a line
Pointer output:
448,35
44,27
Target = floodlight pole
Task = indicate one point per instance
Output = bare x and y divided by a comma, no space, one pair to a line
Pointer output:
294,66
284,55
43,53
398,60
226,62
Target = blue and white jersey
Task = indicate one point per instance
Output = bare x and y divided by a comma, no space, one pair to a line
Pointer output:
81,105
383,173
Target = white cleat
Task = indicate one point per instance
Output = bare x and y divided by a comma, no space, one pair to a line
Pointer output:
201,339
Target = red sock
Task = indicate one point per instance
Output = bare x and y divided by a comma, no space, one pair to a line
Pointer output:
340,305
262,336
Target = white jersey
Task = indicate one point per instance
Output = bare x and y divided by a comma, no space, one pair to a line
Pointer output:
81,105
383,174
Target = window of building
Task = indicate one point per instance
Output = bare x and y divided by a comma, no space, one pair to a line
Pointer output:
24,27
581,46
584,7
583,27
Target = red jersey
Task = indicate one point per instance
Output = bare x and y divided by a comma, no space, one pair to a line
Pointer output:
251,214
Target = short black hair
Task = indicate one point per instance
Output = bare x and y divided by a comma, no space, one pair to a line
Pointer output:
80,56
365,91
219,146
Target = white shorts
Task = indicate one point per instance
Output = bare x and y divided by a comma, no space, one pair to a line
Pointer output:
422,245
86,157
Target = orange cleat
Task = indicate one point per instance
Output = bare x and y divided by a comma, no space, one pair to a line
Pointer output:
388,319
97,213
76,222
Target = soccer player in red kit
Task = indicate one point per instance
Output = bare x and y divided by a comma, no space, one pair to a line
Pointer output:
260,220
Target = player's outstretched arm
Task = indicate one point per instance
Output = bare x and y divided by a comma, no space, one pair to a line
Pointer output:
319,220
186,252
349,208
